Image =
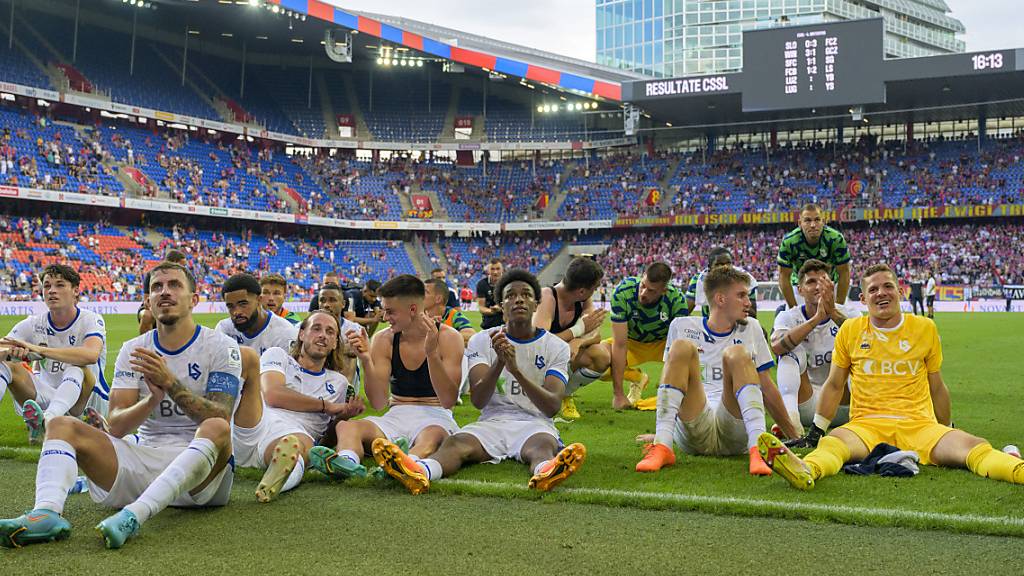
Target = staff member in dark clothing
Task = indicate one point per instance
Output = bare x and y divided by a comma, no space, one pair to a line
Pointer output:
916,294
363,307
490,310
329,278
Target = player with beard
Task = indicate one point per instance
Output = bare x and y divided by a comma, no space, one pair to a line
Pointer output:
176,384
249,323
414,367
303,393
518,374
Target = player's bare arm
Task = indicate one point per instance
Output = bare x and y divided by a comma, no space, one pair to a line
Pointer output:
844,282
85,355
277,395
128,412
785,285
545,313
784,341
941,402
444,350
832,391
198,408
620,333
375,356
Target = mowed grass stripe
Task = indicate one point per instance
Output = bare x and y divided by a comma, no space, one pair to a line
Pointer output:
722,505
741,506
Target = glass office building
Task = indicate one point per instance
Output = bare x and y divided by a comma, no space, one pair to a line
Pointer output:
688,37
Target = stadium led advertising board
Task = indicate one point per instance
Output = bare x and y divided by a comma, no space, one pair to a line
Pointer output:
818,65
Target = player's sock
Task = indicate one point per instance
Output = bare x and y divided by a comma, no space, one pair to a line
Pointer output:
752,409
580,378
349,455
669,400
540,466
789,387
66,395
433,468
5,379
55,475
988,462
185,472
296,476
633,375
828,458
806,413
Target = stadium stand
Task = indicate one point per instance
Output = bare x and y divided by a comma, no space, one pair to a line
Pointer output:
402,106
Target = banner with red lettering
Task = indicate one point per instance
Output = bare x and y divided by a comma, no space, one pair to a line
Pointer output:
653,197
463,121
346,120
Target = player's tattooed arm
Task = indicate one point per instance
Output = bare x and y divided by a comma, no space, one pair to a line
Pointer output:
201,408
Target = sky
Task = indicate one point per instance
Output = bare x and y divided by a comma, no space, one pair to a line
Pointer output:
567,26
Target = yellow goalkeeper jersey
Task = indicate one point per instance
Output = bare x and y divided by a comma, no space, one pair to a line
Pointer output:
889,367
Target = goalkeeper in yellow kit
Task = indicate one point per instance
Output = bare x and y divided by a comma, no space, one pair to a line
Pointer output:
897,396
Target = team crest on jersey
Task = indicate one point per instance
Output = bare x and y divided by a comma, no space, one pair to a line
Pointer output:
905,345
71,339
709,339
821,252
664,316
330,388
50,332
539,362
834,330
239,338
194,372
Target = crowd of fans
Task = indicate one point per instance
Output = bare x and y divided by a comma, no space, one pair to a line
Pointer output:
959,253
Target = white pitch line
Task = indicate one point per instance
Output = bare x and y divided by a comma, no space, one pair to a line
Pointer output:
784,507
777,506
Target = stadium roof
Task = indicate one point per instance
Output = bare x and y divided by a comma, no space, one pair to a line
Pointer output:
510,51
243,19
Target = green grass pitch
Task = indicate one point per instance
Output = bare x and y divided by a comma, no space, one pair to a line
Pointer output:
607,519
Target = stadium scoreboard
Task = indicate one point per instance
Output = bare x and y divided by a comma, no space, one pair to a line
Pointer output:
813,66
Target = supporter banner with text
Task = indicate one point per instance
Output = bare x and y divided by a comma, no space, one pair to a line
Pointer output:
854,214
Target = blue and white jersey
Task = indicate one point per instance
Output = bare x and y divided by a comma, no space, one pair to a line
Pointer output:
326,384
209,362
276,332
39,329
711,345
542,356
814,354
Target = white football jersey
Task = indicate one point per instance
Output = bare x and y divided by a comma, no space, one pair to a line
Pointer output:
543,355
326,384
275,333
711,345
209,362
38,329
814,354
700,299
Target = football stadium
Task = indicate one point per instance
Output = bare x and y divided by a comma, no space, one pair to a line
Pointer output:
743,293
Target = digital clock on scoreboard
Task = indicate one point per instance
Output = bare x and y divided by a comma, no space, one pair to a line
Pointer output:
813,66
988,61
